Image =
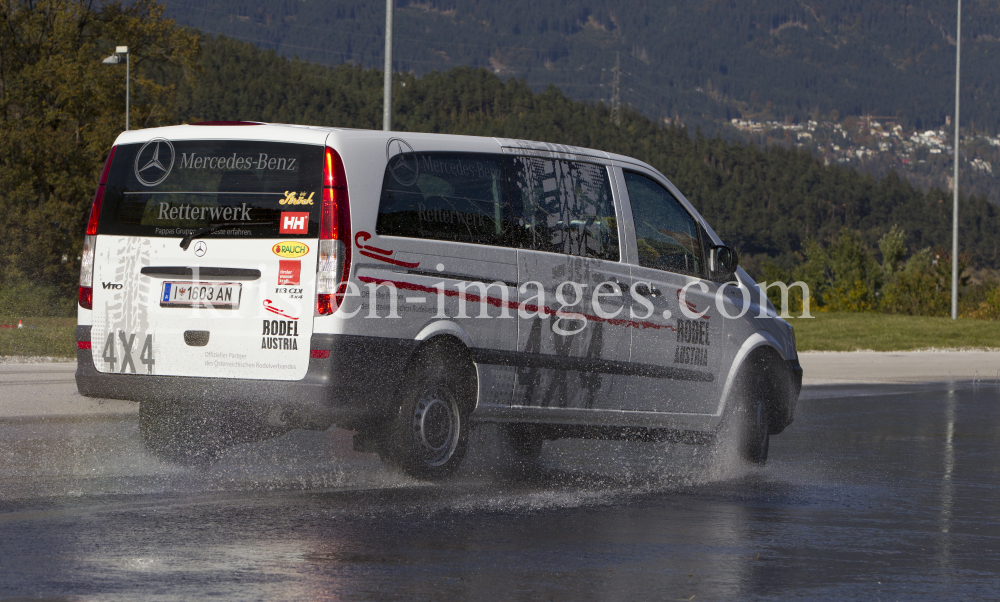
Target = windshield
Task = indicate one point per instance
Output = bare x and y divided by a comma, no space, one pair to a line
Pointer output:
173,188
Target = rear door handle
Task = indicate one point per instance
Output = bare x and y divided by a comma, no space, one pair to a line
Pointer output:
646,291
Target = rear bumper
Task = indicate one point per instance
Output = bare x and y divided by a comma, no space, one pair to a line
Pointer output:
355,385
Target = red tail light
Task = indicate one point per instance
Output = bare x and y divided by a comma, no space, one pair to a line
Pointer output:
95,207
86,297
335,236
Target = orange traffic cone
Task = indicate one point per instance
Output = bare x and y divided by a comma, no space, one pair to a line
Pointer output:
20,324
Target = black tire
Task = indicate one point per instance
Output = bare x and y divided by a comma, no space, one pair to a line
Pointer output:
430,434
173,434
753,428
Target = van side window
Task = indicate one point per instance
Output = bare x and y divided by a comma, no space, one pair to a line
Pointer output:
459,197
666,235
563,207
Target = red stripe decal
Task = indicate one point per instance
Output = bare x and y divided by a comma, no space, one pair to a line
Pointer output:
409,286
403,264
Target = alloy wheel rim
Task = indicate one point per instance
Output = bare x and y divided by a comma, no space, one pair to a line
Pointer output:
435,426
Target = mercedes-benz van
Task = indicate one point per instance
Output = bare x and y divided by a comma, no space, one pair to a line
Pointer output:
240,280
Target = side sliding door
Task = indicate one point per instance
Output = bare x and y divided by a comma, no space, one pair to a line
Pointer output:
571,342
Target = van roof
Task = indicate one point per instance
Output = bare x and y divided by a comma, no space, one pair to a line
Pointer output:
308,134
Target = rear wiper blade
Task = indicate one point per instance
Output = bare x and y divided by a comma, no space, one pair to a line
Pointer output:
186,241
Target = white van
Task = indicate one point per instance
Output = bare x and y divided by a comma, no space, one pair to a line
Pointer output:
240,280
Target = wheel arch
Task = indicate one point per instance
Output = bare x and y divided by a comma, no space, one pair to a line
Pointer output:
761,352
446,346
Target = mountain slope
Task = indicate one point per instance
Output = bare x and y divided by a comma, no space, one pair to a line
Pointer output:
767,202
700,60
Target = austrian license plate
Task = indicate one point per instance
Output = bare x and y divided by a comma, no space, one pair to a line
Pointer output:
217,295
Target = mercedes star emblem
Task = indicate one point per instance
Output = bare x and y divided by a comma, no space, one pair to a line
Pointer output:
156,161
402,161
200,248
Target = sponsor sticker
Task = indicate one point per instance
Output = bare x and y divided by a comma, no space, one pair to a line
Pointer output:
293,198
280,335
293,222
187,212
289,271
290,249
274,309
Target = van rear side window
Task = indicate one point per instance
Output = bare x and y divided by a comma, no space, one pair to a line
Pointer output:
460,197
172,188
563,207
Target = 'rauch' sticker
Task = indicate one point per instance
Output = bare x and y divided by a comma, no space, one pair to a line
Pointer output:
289,249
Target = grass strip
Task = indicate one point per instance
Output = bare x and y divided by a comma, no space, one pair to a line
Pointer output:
827,331
842,331
52,337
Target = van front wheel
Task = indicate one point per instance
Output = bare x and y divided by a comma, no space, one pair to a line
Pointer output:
754,437
430,434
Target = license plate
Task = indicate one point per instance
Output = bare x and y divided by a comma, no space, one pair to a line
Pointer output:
217,295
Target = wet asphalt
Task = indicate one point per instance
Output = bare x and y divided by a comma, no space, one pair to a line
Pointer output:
882,492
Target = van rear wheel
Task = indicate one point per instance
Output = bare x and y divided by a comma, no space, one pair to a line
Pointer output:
430,434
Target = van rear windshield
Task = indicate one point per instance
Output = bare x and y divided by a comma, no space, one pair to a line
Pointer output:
172,188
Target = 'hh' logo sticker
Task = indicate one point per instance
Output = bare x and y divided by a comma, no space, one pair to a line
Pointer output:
288,271
293,222
290,249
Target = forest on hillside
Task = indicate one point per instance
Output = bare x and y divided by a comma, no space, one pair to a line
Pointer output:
704,61
853,236
767,202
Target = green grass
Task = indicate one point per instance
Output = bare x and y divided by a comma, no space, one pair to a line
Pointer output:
837,331
40,336
828,331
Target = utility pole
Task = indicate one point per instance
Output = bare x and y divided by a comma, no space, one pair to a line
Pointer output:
616,92
387,101
954,215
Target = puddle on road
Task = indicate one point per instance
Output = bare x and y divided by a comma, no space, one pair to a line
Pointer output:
53,458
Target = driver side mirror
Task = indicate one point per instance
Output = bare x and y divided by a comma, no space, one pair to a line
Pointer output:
722,262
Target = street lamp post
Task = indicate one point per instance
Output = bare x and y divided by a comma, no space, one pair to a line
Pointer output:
387,92
954,216
114,59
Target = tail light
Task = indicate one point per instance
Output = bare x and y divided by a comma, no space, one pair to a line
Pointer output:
334,265
87,257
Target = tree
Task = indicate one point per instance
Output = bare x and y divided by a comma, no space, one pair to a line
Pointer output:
60,110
